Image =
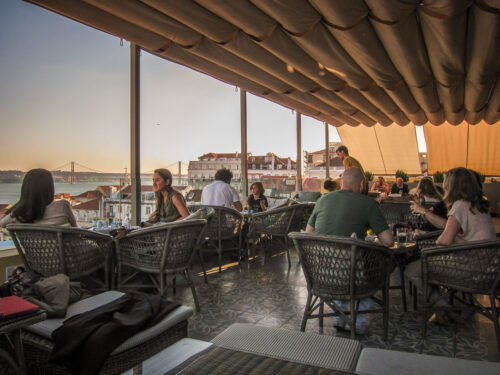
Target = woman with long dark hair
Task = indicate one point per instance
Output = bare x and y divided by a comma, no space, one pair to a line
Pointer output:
37,204
170,204
257,202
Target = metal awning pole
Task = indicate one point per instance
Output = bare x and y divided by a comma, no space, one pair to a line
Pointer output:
135,132
299,152
244,160
327,150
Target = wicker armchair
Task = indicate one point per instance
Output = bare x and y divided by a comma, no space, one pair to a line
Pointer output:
159,252
276,224
345,269
201,212
48,250
223,228
472,268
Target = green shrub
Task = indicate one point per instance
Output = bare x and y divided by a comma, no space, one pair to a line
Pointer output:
482,177
438,177
402,174
369,175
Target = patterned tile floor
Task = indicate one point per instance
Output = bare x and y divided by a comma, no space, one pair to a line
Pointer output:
266,292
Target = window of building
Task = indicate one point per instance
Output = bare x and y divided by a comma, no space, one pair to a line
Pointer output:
148,210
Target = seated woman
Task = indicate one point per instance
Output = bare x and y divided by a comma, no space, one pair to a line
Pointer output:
428,193
37,204
381,186
468,217
256,201
170,204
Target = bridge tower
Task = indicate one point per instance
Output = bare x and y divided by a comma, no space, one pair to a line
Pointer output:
72,172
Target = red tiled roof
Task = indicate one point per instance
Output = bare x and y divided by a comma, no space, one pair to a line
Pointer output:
144,188
217,155
334,162
90,194
90,205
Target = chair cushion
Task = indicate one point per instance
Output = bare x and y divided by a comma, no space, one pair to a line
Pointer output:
46,327
312,349
387,362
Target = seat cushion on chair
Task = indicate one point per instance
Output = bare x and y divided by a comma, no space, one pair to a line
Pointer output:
46,327
312,349
391,362
174,317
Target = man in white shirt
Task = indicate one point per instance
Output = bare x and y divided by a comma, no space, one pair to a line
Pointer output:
220,193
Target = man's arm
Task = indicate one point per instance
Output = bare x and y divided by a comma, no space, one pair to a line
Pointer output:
386,238
309,229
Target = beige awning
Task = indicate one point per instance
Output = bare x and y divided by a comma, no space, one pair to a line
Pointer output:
383,150
343,62
471,146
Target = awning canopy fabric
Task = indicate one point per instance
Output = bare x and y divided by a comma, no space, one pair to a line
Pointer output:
383,150
342,62
471,146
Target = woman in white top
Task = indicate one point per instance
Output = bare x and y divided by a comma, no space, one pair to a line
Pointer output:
37,204
468,217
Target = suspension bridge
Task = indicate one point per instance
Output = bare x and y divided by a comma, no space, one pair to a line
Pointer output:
73,167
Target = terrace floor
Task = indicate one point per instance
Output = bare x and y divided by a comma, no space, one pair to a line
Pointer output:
266,292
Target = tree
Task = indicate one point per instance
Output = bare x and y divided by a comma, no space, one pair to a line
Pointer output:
369,176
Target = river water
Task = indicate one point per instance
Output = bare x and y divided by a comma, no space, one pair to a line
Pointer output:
9,193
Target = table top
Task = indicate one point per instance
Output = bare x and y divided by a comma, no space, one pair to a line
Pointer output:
403,248
8,325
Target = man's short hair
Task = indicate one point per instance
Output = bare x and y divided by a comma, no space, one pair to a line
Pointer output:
352,177
224,174
342,148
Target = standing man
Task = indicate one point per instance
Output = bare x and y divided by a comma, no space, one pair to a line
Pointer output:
348,161
220,193
347,212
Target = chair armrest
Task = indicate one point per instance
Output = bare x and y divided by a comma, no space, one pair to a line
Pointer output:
439,250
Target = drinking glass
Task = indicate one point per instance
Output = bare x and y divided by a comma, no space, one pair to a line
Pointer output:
402,236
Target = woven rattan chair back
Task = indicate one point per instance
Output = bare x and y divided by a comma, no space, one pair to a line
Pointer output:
345,269
157,251
279,221
426,240
49,250
161,247
341,268
472,268
276,224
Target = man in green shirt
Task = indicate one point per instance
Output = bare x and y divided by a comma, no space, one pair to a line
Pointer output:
343,213
347,211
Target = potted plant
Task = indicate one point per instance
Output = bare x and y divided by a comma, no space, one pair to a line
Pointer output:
402,174
369,176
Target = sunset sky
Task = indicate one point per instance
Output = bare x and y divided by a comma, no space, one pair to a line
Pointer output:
64,95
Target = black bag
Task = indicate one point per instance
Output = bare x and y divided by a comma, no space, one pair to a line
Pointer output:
18,282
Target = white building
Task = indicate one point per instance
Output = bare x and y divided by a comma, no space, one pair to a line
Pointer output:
315,163
258,166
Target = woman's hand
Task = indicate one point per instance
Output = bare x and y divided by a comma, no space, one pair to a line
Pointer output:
153,216
263,204
417,209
